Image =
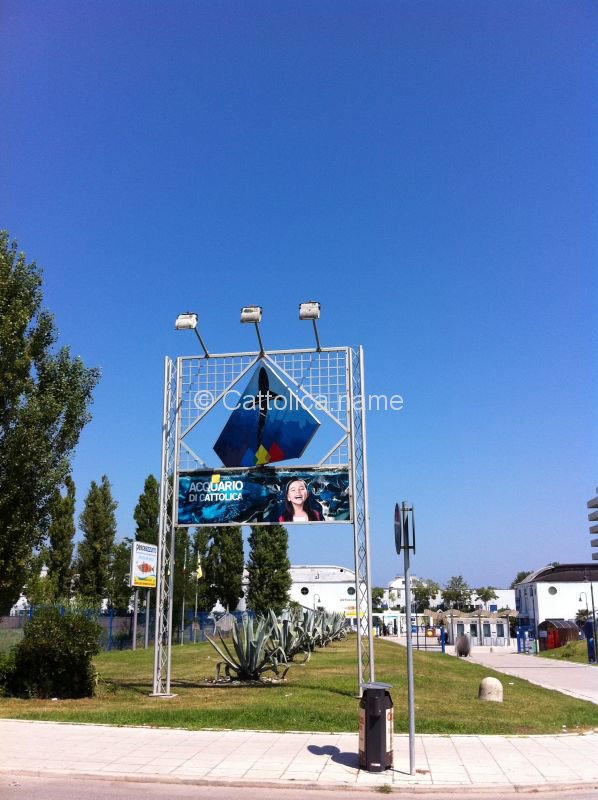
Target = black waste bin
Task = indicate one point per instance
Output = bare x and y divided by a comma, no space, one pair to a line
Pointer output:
376,725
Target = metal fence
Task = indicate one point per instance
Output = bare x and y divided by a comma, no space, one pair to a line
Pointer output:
117,629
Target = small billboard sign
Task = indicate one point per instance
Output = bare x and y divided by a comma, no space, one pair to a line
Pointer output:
144,564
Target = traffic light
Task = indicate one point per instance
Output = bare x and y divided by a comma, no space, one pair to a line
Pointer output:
593,517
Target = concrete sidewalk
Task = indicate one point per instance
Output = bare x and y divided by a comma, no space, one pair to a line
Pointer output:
295,759
568,677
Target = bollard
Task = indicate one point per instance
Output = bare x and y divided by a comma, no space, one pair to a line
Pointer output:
376,725
462,645
490,689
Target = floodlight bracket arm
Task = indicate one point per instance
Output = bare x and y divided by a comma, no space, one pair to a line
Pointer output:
201,341
259,338
318,345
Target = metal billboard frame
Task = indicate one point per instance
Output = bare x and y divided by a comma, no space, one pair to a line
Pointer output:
332,378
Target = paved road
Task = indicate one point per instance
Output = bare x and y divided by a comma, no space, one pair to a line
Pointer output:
577,680
30,788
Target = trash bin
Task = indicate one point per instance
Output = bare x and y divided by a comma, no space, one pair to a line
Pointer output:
376,725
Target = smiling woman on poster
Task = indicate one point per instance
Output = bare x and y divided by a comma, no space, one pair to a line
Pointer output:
297,504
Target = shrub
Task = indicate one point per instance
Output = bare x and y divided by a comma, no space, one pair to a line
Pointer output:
54,657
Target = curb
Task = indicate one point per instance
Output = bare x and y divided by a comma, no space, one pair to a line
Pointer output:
483,789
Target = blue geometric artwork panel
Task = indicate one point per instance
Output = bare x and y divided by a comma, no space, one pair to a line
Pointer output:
268,424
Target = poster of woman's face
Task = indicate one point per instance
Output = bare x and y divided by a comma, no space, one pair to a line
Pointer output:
265,495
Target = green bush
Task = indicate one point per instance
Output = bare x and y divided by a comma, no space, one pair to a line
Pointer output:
54,657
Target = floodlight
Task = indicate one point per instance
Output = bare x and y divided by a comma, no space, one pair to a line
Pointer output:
310,310
251,314
186,321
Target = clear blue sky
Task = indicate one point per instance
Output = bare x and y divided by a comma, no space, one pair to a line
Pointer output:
424,169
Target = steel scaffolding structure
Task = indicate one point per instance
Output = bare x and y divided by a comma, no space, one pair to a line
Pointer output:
331,380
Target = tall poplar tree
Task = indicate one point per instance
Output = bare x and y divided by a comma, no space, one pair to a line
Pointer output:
269,569
147,512
224,567
200,557
44,400
98,523
119,590
61,534
182,585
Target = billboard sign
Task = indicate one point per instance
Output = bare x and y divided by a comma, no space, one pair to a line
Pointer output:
144,564
268,424
264,496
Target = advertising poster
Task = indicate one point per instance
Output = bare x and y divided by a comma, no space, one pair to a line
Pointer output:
144,564
264,496
268,424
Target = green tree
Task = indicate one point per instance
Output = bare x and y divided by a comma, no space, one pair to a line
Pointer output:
44,400
147,512
269,569
184,581
98,523
582,615
485,594
423,593
224,567
521,575
61,533
199,558
119,589
377,598
456,593
40,589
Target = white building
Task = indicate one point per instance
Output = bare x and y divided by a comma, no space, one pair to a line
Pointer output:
557,592
324,586
505,598
394,595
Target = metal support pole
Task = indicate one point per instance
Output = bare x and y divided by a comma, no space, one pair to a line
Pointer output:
358,466
148,599
182,637
135,612
593,621
163,612
410,688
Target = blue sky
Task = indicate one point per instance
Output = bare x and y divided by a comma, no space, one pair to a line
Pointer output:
423,169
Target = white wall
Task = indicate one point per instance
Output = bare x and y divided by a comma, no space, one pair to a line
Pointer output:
544,600
329,587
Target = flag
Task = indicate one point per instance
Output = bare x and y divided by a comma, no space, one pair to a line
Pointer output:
198,571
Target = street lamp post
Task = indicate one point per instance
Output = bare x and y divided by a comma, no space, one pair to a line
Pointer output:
593,616
586,597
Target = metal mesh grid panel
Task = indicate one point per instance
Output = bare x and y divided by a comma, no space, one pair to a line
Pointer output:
320,377
204,381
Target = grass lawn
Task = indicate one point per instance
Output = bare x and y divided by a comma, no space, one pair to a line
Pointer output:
319,696
9,637
572,651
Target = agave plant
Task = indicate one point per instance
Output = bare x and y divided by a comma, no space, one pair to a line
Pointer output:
252,654
333,626
288,635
